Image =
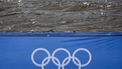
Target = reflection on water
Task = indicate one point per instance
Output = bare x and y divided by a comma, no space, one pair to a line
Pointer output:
60,15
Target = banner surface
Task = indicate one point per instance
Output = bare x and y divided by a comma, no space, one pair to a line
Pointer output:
100,50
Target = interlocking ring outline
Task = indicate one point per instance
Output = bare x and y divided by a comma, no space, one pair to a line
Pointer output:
70,57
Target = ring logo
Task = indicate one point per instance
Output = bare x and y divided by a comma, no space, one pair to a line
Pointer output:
65,62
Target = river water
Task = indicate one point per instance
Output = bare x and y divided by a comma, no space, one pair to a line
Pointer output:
60,15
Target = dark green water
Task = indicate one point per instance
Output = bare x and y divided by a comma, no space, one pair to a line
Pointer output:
60,15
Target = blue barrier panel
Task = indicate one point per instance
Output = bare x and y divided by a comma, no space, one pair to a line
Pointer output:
100,50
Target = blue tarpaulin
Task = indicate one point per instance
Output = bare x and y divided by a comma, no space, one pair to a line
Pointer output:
49,50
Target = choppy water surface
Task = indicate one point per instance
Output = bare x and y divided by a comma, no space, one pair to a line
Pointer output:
60,15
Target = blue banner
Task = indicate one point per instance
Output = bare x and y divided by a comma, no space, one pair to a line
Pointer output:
100,50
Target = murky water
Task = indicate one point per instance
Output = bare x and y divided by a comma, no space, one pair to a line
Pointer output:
60,15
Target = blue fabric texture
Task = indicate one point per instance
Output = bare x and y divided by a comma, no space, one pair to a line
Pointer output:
95,50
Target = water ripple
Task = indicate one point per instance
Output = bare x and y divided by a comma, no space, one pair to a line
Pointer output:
60,15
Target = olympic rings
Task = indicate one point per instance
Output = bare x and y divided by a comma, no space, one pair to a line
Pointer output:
48,58
66,60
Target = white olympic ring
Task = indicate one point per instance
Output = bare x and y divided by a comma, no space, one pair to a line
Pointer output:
65,62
